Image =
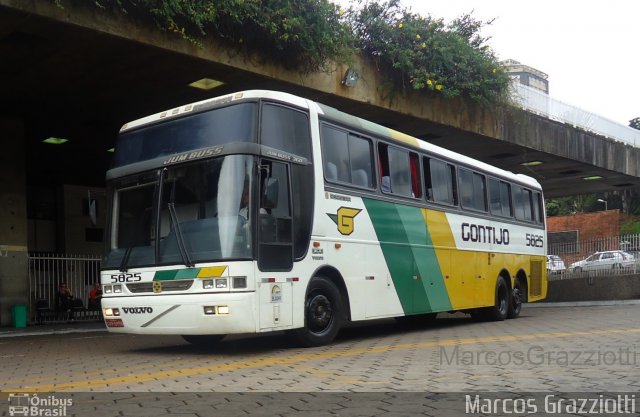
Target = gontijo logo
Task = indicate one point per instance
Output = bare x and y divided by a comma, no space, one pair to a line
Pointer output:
344,219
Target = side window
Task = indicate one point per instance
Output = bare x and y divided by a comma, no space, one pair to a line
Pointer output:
523,204
538,212
399,171
286,129
440,181
335,151
361,161
472,190
500,198
347,157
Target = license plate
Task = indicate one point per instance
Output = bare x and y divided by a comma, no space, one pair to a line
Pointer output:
114,322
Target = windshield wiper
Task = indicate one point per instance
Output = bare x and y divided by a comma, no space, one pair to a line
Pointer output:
179,237
125,259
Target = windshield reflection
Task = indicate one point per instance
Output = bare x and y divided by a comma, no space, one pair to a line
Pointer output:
209,202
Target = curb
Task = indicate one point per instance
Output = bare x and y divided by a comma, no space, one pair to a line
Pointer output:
543,304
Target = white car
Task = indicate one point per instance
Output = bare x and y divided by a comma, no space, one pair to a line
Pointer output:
604,260
555,265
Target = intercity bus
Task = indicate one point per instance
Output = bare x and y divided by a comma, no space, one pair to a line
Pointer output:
261,211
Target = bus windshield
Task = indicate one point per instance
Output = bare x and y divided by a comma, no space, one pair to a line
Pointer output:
198,212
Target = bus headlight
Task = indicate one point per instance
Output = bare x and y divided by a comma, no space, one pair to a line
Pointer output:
110,312
207,284
107,289
117,288
221,283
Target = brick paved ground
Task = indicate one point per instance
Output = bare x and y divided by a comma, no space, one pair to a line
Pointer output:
593,349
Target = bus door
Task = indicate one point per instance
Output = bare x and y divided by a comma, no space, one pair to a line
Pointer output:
275,245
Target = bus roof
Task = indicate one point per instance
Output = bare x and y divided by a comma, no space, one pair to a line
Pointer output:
335,115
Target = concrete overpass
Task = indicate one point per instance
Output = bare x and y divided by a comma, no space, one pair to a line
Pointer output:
80,73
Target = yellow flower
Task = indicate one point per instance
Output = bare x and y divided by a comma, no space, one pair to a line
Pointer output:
418,36
424,45
400,25
429,82
439,87
494,71
341,12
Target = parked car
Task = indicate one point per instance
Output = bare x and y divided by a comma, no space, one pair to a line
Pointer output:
604,260
555,265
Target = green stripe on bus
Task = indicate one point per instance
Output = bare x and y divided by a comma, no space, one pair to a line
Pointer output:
184,273
408,251
426,259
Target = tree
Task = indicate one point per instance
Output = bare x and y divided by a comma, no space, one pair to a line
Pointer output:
635,123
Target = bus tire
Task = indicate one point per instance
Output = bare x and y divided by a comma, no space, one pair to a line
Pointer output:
501,308
515,304
323,314
203,340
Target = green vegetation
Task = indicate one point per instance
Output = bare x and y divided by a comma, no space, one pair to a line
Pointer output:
428,54
413,51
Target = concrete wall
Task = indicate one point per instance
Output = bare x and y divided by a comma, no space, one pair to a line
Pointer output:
600,288
79,231
13,219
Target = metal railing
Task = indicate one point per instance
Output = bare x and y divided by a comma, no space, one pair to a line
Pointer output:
572,252
535,101
48,271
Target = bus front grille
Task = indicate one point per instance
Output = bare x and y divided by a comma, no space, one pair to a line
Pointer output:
177,285
535,279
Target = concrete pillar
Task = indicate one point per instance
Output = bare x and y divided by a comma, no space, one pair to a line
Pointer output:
14,284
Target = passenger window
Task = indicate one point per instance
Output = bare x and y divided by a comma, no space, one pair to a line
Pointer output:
472,190
286,129
500,198
399,171
347,157
523,204
440,181
537,208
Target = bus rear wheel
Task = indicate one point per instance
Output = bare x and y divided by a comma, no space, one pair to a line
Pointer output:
517,295
203,340
323,314
500,309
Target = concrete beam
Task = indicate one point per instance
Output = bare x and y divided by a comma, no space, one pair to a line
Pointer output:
373,91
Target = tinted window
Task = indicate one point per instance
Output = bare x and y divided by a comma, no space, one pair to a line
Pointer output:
286,129
234,123
440,181
360,159
335,150
347,157
398,170
523,204
472,190
500,198
537,208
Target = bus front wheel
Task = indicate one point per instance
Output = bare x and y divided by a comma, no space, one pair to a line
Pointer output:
323,313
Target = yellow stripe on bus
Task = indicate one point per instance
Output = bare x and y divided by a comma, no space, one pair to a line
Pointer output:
212,271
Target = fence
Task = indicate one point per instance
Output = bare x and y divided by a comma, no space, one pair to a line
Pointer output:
535,101
572,252
48,271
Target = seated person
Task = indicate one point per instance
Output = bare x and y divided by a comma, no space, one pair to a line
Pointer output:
95,295
65,301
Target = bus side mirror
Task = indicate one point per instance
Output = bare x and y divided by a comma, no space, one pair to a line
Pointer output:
270,197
